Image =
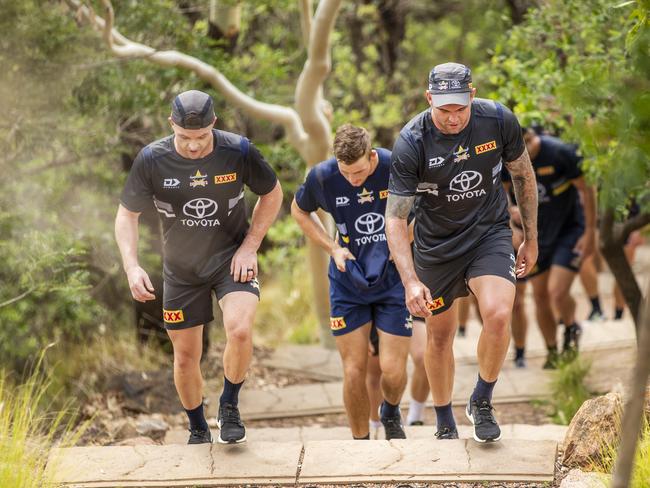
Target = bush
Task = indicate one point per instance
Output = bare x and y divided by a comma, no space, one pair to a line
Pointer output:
568,390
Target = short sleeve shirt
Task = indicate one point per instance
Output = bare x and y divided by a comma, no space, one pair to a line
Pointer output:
455,179
556,164
357,211
200,201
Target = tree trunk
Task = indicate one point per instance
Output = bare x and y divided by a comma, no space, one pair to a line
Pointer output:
634,406
612,240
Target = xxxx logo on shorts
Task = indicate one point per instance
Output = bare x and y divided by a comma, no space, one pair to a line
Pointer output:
173,316
229,178
436,304
337,323
485,147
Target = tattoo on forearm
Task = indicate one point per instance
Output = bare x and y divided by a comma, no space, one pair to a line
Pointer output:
398,206
525,188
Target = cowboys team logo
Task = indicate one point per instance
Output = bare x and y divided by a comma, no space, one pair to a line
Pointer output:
461,154
173,316
366,196
443,85
198,179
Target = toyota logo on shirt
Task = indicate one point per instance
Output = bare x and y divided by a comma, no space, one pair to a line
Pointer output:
200,209
465,181
369,223
464,184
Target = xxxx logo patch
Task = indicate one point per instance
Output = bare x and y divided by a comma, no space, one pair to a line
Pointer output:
485,147
229,178
383,194
173,316
337,323
436,304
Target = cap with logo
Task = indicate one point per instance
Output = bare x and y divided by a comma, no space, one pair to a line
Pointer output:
450,83
193,109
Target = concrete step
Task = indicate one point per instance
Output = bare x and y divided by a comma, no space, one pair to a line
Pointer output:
548,432
289,463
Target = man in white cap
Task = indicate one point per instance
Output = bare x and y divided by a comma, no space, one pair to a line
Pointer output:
447,163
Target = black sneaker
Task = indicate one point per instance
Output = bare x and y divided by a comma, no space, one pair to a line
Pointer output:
552,359
520,363
199,436
393,426
447,433
571,339
479,413
231,428
417,422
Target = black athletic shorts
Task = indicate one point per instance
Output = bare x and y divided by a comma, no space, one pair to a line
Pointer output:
448,280
560,253
186,306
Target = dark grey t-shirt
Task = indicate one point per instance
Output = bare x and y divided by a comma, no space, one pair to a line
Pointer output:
456,179
200,201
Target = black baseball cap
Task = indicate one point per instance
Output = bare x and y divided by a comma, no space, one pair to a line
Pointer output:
193,109
450,83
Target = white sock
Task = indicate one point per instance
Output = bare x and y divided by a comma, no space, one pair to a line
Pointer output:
375,424
415,412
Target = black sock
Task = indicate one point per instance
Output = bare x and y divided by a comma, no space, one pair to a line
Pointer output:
595,304
197,418
445,417
388,409
519,352
483,389
230,392
618,313
461,328
364,438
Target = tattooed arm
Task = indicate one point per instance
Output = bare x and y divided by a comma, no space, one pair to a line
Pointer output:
525,188
397,234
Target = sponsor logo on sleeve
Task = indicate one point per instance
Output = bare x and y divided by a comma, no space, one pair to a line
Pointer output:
431,188
337,323
383,194
173,316
171,183
221,179
436,304
198,179
485,147
366,196
342,201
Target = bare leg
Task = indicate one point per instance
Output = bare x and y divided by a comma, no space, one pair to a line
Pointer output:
187,369
439,357
543,310
238,314
353,348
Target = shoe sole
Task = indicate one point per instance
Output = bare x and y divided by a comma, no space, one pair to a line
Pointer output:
221,441
476,438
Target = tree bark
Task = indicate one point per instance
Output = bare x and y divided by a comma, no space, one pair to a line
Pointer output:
613,237
634,406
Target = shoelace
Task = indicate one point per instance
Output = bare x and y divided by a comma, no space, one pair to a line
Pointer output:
197,433
230,414
485,413
443,431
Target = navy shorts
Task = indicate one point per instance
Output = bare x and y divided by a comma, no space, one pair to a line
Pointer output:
448,280
385,308
186,306
560,253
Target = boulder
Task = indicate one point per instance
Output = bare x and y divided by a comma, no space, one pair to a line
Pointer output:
580,479
151,426
594,426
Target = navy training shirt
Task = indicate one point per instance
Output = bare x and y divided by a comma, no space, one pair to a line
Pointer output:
200,201
456,179
359,214
556,164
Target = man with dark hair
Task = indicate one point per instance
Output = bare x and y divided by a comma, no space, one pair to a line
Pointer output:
567,234
447,160
196,179
365,287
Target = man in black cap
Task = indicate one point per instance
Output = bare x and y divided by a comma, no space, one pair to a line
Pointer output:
196,179
447,161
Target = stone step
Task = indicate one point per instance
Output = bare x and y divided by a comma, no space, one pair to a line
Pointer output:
548,432
289,463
